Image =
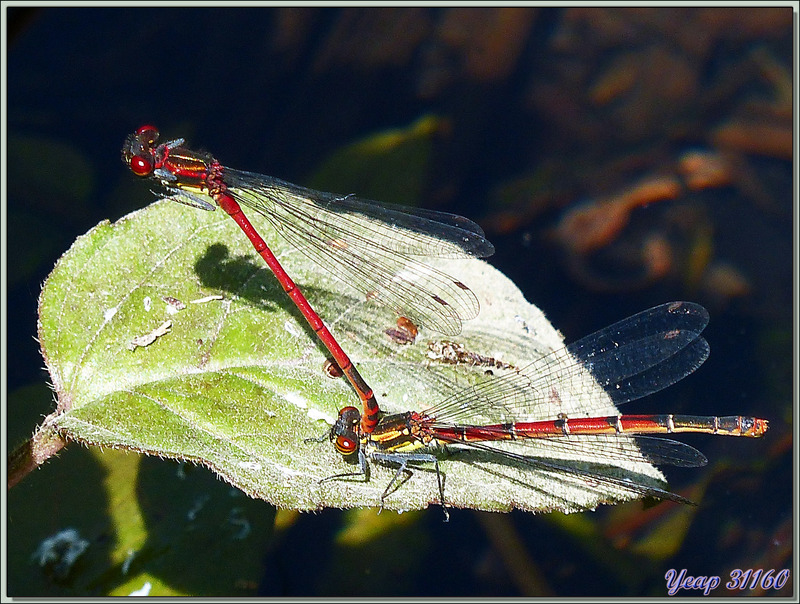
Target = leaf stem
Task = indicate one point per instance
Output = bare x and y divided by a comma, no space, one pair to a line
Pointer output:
44,444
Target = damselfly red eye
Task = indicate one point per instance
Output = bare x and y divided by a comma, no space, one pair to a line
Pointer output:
345,445
141,165
149,132
349,416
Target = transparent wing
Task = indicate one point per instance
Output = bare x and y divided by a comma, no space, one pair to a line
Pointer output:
630,359
375,249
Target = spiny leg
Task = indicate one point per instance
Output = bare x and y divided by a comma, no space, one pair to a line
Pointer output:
403,459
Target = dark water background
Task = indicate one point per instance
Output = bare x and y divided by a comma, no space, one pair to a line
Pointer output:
537,112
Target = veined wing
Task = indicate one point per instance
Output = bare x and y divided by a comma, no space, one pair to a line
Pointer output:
375,249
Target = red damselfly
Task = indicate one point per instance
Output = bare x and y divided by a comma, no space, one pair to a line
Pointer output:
630,359
374,248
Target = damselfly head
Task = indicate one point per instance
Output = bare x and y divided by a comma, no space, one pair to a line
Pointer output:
344,435
138,151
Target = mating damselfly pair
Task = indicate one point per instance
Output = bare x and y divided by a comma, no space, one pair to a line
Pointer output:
380,251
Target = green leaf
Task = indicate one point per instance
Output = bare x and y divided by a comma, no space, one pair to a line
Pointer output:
236,381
